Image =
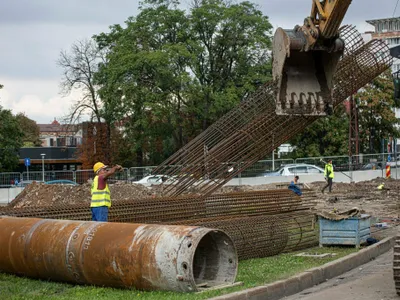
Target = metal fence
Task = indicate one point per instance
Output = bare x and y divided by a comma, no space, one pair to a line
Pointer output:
260,168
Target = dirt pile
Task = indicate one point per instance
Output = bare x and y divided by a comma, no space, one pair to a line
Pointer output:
364,195
40,195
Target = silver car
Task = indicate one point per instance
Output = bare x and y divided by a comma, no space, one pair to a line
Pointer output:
154,180
296,169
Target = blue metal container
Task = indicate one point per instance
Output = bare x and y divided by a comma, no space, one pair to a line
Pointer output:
352,231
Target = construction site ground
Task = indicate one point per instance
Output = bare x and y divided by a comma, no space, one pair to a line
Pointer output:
382,205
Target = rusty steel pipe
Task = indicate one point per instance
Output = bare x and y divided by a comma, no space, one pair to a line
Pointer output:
146,257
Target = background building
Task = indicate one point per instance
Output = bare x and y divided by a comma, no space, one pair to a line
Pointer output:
58,150
57,135
388,29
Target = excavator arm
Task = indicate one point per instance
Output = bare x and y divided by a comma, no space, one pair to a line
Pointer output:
328,15
305,59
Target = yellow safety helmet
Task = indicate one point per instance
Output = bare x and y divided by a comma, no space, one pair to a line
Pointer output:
98,166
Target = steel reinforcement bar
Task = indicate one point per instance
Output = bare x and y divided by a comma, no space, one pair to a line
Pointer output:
208,170
246,112
255,220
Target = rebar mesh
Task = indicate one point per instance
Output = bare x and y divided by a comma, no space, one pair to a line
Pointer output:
261,223
249,134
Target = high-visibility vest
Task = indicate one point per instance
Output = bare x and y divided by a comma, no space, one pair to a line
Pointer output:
100,197
329,171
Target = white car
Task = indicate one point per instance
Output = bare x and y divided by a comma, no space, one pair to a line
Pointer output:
154,180
394,163
296,169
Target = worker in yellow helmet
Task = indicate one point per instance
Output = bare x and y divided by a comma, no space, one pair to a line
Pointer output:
101,198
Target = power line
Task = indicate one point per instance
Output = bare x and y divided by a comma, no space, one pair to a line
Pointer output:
395,8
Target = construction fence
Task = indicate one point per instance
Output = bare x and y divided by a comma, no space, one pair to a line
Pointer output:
260,168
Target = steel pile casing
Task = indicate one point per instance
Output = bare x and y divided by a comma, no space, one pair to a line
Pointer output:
142,256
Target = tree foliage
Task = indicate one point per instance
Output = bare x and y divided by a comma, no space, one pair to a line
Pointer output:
31,131
11,139
94,147
326,137
169,74
377,119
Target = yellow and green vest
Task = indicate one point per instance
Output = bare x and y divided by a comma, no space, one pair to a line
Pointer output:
100,197
329,171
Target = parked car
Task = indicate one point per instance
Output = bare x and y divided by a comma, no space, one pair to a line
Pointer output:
296,169
372,166
153,180
394,163
61,181
24,183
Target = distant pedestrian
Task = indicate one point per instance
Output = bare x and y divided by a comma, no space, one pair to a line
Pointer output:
329,175
101,198
294,187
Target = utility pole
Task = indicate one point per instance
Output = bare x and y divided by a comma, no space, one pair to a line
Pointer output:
353,128
43,155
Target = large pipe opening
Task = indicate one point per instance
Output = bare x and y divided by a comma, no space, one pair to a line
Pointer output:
214,261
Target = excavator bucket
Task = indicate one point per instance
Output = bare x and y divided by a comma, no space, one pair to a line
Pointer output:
304,76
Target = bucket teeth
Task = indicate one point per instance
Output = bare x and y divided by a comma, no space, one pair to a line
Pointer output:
304,78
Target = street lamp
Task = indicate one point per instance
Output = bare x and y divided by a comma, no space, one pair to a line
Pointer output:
43,155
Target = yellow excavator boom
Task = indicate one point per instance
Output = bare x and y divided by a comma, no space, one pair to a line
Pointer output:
328,15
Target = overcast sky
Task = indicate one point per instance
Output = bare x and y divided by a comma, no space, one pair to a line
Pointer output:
33,32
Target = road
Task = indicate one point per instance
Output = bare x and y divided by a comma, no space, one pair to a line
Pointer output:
372,281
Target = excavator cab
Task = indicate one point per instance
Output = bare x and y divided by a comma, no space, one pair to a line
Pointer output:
305,60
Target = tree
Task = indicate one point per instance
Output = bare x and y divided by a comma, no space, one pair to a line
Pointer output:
145,76
10,141
30,130
79,67
171,74
377,119
231,54
327,136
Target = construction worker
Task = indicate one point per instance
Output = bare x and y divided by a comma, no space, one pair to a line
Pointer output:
294,187
381,186
101,198
329,175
